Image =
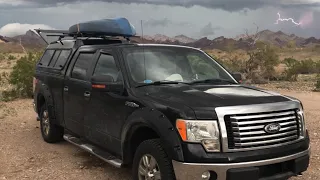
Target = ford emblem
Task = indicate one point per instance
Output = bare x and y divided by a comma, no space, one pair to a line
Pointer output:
272,128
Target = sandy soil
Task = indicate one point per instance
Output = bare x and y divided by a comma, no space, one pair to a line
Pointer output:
24,155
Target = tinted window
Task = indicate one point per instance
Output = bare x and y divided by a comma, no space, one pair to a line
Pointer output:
46,58
107,66
82,65
55,57
62,58
200,67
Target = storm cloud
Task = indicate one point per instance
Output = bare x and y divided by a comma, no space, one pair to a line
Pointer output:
193,18
208,30
228,5
165,22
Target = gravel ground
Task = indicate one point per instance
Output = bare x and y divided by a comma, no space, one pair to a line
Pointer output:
24,155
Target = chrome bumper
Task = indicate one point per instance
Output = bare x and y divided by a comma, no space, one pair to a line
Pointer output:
190,171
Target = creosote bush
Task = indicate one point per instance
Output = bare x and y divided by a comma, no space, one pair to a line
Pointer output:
259,67
20,78
295,67
11,57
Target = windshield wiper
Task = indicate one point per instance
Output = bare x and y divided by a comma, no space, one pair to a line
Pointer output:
161,82
214,81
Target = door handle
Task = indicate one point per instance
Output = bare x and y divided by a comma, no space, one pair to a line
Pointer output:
66,88
87,94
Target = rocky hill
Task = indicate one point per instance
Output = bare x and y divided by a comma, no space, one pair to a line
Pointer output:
279,39
31,40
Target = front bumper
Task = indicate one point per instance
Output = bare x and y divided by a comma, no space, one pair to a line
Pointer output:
284,167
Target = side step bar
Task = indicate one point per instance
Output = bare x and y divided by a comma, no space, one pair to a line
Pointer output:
94,150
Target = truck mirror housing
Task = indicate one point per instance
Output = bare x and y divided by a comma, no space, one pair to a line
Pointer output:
102,79
237,76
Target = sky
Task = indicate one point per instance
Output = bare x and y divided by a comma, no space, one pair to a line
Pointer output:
193,18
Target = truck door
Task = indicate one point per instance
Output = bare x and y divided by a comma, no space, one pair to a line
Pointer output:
77,89
106,110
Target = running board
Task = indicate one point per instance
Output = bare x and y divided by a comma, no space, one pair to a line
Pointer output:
94,150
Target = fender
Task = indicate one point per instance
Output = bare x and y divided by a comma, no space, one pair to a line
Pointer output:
157,121
46,93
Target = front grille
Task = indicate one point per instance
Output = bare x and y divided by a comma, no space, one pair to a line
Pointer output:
248,130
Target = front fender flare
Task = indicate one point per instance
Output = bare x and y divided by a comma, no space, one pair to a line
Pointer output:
159,123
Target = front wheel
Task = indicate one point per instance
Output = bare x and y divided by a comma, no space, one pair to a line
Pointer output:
151,162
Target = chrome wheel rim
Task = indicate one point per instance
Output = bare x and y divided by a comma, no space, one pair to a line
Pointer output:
45,122
148,168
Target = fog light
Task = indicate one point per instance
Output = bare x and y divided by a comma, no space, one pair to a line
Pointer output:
206,175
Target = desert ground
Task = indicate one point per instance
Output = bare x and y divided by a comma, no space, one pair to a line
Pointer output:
24,155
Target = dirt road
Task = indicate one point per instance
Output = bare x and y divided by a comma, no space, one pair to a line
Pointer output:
24,155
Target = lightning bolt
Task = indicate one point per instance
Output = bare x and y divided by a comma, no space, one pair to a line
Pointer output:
288,19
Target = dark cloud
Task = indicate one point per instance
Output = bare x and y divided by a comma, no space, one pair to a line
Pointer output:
169,20
157,22
229,5
163,23
208,30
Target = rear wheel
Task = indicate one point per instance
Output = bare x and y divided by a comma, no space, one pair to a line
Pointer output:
50,132
151,162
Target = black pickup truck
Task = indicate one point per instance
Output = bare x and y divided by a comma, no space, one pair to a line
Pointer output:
169,112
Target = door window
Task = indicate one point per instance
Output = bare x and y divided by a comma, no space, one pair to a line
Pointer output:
106,65
82,65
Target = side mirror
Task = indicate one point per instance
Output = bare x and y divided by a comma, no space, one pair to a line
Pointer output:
237,76
102,79
107,83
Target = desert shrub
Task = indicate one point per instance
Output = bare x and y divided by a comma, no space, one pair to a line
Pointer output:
21,77
295,67
11,57
318,83
291,44
269,59
2,57
291,73
233,65
260,66
307,67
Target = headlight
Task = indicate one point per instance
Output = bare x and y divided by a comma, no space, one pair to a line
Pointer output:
204,132
301,120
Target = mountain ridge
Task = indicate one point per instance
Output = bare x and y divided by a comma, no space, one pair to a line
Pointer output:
31,40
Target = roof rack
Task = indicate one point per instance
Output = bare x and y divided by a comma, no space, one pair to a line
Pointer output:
104,29
53,36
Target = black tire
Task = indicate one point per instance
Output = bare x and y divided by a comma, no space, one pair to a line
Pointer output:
154,148
54,133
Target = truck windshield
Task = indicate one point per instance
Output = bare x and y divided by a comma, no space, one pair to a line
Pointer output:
175,64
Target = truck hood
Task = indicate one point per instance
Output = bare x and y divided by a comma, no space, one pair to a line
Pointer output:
212,96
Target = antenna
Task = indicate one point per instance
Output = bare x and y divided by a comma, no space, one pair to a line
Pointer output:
144,56
142,32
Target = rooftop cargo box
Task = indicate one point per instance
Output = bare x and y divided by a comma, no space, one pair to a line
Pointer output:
104,27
